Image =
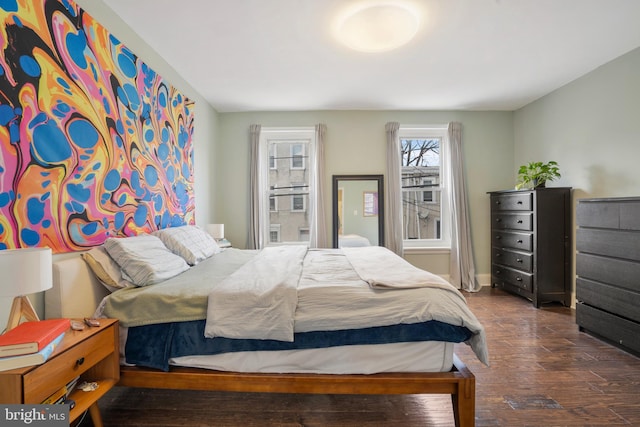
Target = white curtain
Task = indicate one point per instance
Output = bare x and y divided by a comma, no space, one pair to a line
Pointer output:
254,240
461,266
318,227
393,191
318,235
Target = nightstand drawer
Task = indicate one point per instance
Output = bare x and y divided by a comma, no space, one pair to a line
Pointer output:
42,381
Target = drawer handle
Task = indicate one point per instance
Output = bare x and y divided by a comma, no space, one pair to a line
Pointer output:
518,279
498,202
498,272
519,260
519,241
498,219
498,237
519,221
519,202
80,361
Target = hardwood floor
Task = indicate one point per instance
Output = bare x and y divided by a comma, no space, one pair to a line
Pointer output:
543,372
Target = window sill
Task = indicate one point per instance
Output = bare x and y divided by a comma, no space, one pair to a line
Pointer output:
426,250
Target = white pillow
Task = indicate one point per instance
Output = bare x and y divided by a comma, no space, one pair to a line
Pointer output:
105,269
189,242
144,259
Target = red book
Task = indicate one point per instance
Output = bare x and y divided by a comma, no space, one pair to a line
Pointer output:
31,337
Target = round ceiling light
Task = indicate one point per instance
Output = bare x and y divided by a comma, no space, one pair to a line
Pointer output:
377,26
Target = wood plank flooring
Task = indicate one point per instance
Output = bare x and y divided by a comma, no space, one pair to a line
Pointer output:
543,372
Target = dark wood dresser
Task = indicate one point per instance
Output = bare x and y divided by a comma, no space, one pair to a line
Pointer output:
608,269
530,243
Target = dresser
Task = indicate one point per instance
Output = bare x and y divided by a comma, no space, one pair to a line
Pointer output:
608,269
531,243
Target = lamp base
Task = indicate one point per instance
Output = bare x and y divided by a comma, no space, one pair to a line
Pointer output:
21,308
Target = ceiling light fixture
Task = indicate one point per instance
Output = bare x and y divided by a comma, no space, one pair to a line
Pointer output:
377,26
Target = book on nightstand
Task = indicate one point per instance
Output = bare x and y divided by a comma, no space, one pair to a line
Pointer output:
13,362
31,337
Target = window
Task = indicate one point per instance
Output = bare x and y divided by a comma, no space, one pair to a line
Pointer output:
273,200
274,233
299,196
304,234
272,157
297,155
288,184
425,195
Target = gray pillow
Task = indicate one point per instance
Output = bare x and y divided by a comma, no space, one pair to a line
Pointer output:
145,259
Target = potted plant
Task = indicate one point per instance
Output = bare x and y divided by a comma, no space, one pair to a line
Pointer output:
536,174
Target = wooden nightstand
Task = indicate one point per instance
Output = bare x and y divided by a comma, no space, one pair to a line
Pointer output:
92,354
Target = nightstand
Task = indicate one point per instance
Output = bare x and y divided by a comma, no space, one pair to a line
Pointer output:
223,243
92,354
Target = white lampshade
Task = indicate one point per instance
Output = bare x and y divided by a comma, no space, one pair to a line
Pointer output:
25,271
216,230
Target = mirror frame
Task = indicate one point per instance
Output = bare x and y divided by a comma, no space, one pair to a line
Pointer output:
380,180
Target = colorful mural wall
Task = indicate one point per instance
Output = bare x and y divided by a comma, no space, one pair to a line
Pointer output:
93,142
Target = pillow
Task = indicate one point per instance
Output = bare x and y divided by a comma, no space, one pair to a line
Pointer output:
144,259
105,269
189,242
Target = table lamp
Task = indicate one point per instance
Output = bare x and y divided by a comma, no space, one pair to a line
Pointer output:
216,231
23,272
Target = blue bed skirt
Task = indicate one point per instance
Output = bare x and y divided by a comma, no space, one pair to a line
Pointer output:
153,345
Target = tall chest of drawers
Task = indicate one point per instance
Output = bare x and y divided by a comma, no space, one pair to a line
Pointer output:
531,243
608,269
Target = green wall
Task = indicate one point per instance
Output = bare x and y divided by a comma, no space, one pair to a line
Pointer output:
356,144
591,127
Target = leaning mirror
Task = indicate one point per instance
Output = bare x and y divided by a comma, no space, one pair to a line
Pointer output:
358,210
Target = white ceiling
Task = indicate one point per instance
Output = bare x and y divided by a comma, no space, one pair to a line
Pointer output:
279,55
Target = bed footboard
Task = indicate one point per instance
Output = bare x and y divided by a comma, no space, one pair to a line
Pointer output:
459,383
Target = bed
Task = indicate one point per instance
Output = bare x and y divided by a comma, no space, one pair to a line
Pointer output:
352,240
445,373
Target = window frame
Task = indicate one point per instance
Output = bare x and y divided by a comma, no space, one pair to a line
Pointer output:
306,136
441,192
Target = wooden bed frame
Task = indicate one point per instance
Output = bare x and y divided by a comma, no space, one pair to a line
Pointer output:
459,383
76,293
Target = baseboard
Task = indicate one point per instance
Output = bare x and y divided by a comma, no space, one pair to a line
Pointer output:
483,279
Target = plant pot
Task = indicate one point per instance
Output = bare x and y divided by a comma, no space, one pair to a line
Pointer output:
539,184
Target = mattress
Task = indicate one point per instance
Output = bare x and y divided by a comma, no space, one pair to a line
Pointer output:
155,345
426,356
423,356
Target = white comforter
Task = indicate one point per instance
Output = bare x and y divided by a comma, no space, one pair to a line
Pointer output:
336,290
263,292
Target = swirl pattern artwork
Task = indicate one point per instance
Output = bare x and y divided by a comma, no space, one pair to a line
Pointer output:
93,142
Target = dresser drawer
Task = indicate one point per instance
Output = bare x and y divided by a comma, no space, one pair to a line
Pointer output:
615,271
511,239
519,260
62,368
611,243
512,202
612,299
617,215
515,221
514,277
617,329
